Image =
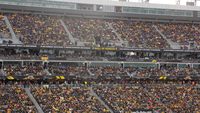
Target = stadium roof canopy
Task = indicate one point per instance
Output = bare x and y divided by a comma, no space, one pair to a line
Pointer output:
171,2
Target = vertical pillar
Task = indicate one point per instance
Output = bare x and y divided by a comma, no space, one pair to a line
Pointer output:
175,56
2,65
22,63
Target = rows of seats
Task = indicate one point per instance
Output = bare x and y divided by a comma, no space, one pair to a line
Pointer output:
145,71
13,99
167,71
48,30
91,31
151,96
157,97
181,33
67,100
28,70
137,34
62,70
140,34
69,70
127,98
108,71
184,99
39,29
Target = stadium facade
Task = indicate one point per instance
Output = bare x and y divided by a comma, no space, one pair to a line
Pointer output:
106,8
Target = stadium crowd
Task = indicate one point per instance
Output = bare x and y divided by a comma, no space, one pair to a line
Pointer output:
27,70
91,31
13,99
48,30
68,70
108,71
183,98
39,69
181,33
39,29
67,100
154,96
139,92
139,34
127,98
159,98
166,71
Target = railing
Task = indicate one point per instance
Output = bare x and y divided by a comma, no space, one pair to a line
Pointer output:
40,3
121,64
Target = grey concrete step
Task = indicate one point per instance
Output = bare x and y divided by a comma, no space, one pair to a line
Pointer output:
39,109
100,100
14,38
172,44
71,38
118,36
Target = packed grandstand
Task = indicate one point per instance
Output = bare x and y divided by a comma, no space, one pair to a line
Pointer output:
80,62
37,29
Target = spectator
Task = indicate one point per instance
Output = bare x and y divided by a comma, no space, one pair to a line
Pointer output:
39,29
14,99
67,99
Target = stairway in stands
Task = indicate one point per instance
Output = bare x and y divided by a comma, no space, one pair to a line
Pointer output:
100,100
39,109
122,42
75,41
4,36
172,44
15,39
